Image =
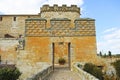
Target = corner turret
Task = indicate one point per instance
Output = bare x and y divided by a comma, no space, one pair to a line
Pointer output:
63,11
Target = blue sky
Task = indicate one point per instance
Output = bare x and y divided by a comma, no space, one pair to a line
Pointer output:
106,13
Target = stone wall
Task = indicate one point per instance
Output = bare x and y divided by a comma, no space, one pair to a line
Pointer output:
82,48
85,75
42,74
49,12
60,27
13,25
81,37
36,27
57,24
63,11
8,50
38,71
65,8
38,48
85,26
60,24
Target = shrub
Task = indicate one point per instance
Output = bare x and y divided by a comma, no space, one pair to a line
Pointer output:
80,66
93,70
9,73
61,61
117,68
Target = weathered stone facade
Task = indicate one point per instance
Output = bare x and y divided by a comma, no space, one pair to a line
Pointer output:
13,24
8,51
55,32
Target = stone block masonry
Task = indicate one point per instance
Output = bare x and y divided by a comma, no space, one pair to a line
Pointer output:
8,50
63,8
35,26
63,11
13,25
56,27
60,27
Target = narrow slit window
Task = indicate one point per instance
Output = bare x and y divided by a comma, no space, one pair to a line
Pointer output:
14,18
0,18
28,16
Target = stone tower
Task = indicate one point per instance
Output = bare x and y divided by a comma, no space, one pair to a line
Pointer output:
63,11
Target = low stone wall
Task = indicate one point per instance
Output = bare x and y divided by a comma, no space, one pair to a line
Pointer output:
85,75
12,66
8,50
8,43
42,74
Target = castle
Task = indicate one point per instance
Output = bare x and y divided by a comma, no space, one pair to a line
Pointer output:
55,32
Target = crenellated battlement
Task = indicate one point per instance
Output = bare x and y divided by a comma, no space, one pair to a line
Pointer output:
60,27
63,8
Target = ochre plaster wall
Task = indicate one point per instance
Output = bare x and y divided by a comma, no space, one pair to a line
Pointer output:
84,48
81,48
39,48
8,50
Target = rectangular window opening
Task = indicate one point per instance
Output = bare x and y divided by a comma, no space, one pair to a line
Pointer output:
0,18
28,16
14,18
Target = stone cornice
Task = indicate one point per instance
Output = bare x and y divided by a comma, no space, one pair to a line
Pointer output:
60,19
84,19
19,15
36,19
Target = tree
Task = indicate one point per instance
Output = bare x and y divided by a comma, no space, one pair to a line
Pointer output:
100,53
109,54
7,73
105,55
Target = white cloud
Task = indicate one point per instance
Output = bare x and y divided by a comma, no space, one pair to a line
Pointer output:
31,6
1,13
110,40
68,2
109,30
113,34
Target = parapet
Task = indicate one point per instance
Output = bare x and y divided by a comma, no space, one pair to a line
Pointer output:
84,19
36,19
63,8
60,19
